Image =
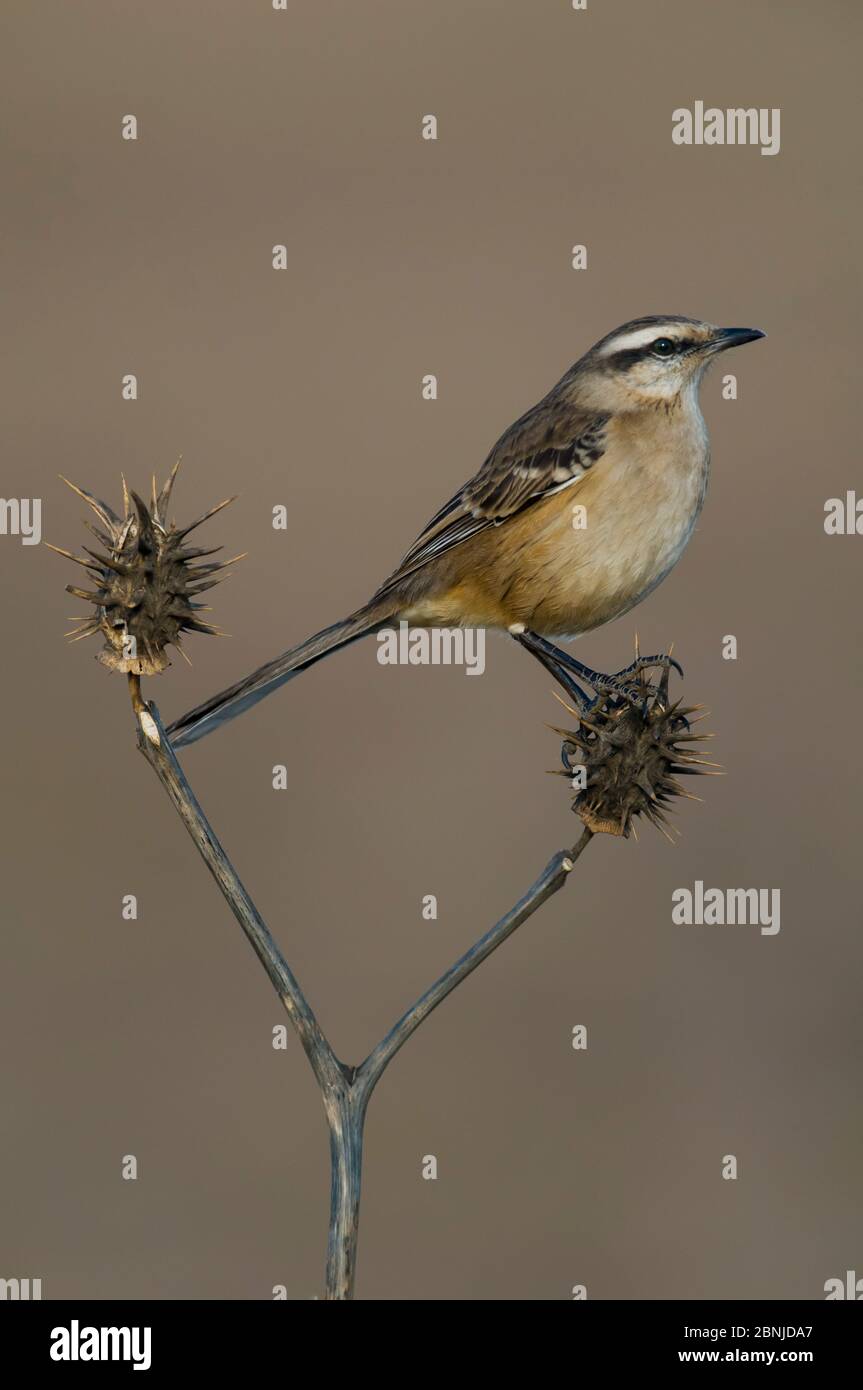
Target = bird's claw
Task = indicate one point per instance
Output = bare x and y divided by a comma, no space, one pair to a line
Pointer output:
662,660
616,688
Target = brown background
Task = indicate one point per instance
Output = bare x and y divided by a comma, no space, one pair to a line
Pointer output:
303,388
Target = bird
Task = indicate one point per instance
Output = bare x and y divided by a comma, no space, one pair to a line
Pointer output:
620,443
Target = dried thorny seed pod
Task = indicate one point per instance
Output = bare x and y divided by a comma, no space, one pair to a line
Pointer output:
145,582
632,757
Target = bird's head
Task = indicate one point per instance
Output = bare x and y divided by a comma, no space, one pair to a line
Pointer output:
653,361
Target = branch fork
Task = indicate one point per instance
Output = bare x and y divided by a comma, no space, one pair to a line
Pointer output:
345,1090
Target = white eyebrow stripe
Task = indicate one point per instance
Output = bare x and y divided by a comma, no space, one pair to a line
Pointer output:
640,338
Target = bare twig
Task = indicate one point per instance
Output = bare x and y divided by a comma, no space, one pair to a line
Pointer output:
345,1090
552,877
155,745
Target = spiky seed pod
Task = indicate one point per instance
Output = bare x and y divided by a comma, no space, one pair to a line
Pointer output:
145,583
633,758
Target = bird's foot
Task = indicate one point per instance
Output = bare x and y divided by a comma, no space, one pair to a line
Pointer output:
620,686
662,661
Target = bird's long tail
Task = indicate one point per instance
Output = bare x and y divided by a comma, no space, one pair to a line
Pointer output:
202,720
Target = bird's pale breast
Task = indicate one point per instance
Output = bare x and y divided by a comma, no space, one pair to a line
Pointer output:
640,506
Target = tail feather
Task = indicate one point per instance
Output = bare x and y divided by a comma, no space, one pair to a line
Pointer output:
219,709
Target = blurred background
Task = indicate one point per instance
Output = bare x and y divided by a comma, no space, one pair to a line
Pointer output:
302,388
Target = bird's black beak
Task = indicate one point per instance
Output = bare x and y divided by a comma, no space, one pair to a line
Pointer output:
734,337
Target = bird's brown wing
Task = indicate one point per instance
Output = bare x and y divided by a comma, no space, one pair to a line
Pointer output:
546,450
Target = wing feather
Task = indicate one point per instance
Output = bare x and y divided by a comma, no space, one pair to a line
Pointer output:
548,449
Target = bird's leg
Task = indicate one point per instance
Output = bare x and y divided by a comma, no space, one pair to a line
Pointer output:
563,667
548,656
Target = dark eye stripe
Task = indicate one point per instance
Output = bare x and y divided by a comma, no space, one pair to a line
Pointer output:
622,361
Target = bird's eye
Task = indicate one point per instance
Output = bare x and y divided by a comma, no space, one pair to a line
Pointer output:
663,347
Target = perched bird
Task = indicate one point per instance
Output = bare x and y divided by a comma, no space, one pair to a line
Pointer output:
622,436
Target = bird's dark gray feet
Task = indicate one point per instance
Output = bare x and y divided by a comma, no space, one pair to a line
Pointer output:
662,661
619,686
